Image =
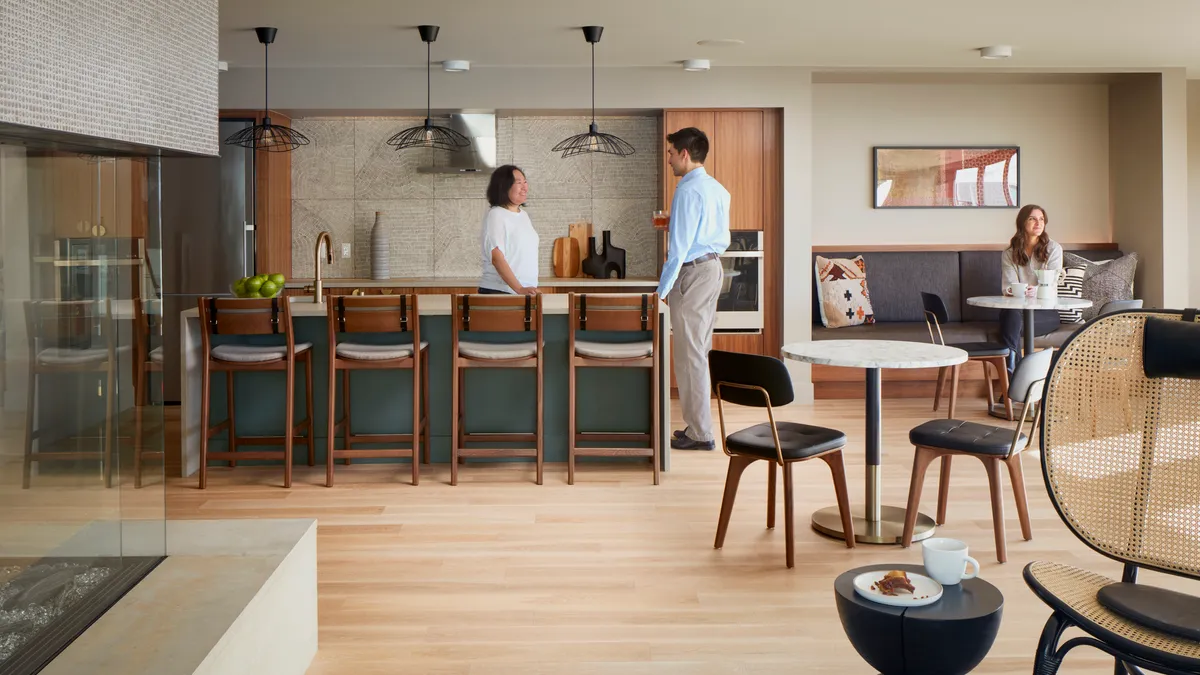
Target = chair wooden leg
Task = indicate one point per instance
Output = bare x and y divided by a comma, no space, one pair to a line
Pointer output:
943,489
1018,483
540,416
921,461
655,419
289,420
571,420
309,362
770,494
416,420
953,390
346,414
425,404
231,414
330,421
205,385
992,466
455,391
937,393
1002,367
737,464
789,514
837,466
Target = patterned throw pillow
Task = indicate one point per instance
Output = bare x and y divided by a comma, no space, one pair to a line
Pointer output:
845,300
1070,285
1104,281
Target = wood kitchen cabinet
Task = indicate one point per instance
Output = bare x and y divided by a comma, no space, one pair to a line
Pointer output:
735,158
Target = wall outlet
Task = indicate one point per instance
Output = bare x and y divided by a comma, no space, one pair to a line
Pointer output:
345,250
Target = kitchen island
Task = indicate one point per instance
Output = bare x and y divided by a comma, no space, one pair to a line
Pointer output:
609,399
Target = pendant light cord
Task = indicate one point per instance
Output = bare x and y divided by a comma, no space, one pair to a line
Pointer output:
428,83
266,80
593,83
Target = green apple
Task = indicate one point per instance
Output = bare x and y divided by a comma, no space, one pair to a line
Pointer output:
253,285
268,290
253,294
239,287
277,279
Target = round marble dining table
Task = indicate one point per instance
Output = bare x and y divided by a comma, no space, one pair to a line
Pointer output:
877,524
1029,306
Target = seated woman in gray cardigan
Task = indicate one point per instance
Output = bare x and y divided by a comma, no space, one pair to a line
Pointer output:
1029,250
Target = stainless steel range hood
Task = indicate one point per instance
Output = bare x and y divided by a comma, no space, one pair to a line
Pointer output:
480,129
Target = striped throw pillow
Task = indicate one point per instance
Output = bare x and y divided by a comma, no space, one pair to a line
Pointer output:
1070,285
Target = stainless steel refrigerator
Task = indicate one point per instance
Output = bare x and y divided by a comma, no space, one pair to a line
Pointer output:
207,236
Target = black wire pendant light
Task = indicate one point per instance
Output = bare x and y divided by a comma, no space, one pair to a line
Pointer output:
594,140
429,135
267,136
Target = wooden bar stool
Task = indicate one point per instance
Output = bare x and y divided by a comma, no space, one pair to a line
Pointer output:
613,312
146,360
273,316
70,338
382,314
493,314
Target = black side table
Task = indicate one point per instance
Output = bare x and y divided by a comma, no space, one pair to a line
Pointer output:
949,637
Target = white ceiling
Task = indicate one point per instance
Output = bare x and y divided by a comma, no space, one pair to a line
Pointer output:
1060,34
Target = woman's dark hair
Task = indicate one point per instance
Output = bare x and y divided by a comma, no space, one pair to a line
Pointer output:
502,181
691,139
1041,250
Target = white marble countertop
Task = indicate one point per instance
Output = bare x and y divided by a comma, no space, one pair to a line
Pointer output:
1007,302
428,305
470,282
874,354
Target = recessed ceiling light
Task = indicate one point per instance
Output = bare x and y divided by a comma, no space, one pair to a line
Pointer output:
721,42
996,52
456,66
693,65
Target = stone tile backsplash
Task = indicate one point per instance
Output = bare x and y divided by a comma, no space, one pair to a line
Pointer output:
349,172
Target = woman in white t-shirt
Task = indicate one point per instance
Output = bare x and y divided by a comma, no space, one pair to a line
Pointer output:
509,242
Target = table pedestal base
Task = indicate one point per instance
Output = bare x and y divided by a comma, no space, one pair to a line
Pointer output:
889,529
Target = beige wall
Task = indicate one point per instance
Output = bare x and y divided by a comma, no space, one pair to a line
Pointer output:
1062,130
540,90
1193,160
1175,266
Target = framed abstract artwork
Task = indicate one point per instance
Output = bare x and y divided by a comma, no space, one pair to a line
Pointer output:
929,177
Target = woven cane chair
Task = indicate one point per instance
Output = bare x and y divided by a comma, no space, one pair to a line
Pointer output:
1121,460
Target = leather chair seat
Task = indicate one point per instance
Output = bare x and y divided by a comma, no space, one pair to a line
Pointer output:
980,439
798,441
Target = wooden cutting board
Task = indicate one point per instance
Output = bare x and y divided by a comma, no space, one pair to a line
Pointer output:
580,233
566,257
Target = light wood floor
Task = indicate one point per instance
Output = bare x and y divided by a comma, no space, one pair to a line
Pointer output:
614,575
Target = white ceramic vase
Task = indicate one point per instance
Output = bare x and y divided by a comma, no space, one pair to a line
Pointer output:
381,250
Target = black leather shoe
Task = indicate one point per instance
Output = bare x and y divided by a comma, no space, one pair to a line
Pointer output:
686,443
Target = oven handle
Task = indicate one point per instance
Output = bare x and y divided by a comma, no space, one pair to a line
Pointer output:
742,254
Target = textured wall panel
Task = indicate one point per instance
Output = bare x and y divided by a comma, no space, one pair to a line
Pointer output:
435,219
141,71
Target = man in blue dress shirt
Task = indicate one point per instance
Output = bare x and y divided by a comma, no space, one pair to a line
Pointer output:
691,280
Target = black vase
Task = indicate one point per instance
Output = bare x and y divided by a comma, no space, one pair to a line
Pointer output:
609,259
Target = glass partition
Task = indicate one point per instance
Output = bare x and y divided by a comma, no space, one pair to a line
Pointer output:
82,491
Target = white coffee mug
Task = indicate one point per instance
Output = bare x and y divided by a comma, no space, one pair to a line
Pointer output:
1017,290
946,561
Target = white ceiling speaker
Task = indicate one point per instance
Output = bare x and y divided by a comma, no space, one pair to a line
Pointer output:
694,65
996,52
222,66
456,66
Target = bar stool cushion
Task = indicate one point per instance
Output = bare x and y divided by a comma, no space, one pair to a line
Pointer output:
798,441
156,355
490,351
982,348
255,353
614,350
981,439
60,356
367,352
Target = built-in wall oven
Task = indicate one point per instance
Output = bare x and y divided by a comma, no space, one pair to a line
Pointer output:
740,304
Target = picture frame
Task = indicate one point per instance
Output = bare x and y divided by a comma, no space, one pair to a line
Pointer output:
946,177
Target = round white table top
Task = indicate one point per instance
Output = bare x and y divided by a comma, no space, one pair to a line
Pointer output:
874,354
1007,302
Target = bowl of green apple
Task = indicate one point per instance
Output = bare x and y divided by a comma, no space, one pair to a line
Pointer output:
259,286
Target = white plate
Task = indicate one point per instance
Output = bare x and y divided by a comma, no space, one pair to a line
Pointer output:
928,591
